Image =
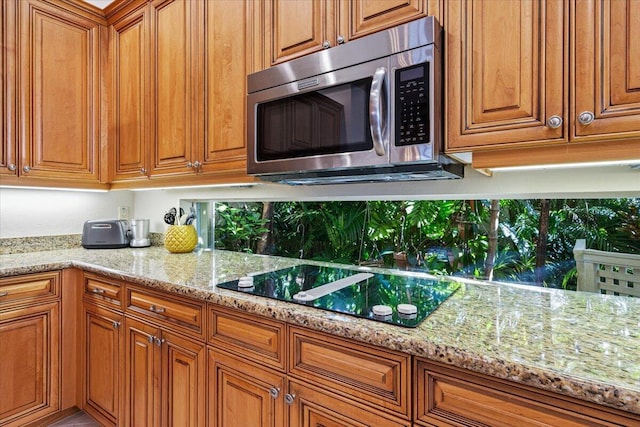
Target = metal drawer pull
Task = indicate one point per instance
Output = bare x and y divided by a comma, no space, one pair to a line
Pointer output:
4,294
289,398
97,291
155,309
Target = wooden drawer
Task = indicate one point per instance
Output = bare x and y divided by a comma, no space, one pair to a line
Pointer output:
373,375
448,396
101,290
22,289
254,338
167,309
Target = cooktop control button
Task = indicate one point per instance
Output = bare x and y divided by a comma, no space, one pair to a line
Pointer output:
245,282
381,310
407,309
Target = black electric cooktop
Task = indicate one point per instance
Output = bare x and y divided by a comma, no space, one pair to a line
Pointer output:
390,298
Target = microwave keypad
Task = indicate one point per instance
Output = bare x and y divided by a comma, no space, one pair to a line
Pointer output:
412,106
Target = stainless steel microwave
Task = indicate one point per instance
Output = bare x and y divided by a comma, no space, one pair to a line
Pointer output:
368,110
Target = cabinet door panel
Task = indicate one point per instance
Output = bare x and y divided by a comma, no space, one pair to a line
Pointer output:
29,363
59,92
313,407
172,64
505,77
239,393
8,147
226,67
299,27
129,47
142,382
183,382
103,363
607,69
369,16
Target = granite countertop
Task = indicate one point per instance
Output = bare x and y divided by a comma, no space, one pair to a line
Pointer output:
574,343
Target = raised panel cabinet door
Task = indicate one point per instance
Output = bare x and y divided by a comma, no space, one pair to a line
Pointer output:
313,407
183,381
506,73
142,376
8,146
129,47
299,27
242,394
29,364
227,44
59,92
103,364
362,17
606,70
173,84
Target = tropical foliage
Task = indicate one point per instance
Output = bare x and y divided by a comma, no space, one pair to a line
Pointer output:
443,237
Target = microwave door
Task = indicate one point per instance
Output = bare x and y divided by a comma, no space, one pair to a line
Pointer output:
330,121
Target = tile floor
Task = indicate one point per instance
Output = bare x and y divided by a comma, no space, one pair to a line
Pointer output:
79,419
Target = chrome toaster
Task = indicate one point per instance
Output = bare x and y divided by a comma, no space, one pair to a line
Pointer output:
106,234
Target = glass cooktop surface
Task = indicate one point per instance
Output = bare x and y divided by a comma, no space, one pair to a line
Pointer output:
390,298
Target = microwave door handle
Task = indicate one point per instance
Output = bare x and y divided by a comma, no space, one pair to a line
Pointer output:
376,111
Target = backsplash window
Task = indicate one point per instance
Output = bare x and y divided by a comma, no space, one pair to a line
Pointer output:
524,241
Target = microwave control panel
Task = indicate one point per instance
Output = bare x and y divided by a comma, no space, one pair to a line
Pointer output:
412,105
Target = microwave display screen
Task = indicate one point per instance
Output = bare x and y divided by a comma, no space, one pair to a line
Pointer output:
326,121
412,105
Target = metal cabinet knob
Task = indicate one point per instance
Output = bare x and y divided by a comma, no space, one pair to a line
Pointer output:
115,324
159,341
554,122
586,117
326,44
151,338
11,167
97,291
340,39
143,171
189,164
274,392
156,309
4,294
197,164
26,169
289,398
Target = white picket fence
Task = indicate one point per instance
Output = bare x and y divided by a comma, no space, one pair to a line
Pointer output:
607,272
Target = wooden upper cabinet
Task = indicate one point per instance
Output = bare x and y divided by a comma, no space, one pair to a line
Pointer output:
59,73
368,16
8,147
299,28
294,29
505,72
173,119
228,27
129,117
606,65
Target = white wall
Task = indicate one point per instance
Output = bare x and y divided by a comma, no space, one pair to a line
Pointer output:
26,212
42,212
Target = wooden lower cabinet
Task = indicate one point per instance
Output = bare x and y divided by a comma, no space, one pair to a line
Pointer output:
164,377
242,394
447,396
315,407
103,362
29,363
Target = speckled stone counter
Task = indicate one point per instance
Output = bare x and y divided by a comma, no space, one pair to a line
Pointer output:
574,343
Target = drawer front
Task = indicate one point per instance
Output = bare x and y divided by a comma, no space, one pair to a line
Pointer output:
100,290
357,371
253,337
166,309
447,396
22,289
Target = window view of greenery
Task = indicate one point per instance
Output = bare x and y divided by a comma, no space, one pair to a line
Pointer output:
524,241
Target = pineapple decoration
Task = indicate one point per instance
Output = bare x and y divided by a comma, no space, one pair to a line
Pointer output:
181,236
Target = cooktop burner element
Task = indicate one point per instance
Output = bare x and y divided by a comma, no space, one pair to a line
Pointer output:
391,298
